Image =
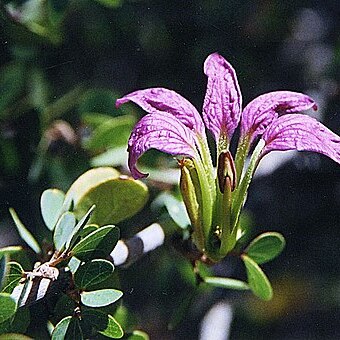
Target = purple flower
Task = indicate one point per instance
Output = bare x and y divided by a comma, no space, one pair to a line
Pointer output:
174,126
214,198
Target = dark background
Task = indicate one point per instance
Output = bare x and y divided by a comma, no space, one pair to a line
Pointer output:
130,45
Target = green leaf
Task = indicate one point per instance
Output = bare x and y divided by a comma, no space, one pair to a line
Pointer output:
51,204
60,329
78,228
226,282
112,133
13,276
266,247
74,264
67,329
24,233
63,229
14,336
10,250
175,208
257,280
116,198
138,335
104,323
100,298
93,272
98,244
8,307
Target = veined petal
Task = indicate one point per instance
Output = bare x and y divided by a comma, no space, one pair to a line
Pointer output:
302,133
161,131
161,100
223,100
260,112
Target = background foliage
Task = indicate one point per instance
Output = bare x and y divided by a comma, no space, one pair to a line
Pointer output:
64,62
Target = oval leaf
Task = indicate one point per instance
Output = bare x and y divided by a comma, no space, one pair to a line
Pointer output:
257,280
13,276
266,247
104,323
8,307
100,298
226,282
63,229
116,198
98,244
85,182
51,204
24,233
93,272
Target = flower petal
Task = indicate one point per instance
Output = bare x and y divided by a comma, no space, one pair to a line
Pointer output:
161,131
223,100
261,111
302,133
160,100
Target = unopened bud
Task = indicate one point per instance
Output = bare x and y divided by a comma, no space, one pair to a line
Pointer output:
226,170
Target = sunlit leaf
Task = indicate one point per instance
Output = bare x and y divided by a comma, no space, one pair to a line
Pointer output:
74,264
100,298
8,307
51,204
257,280
116,198
104,323
93,272
60,329
98,244
13,276
63,229
226,282
266,247
10,250
24,233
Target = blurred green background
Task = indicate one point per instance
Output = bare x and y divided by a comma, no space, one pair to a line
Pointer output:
63,64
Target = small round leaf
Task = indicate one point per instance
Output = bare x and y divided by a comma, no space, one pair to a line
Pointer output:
100,298
93,272
257,280
266,247
97,244
51,204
